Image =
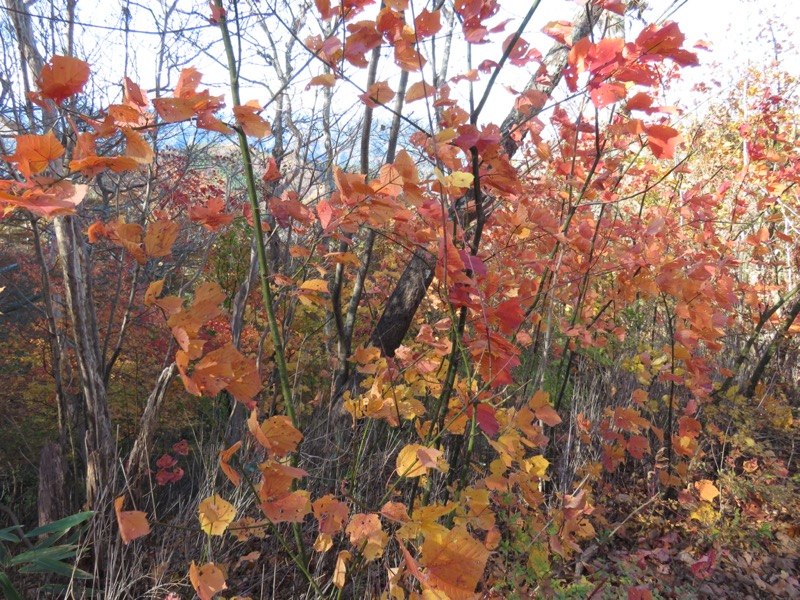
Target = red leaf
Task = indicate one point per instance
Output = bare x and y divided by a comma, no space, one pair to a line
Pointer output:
325,213
638,446
166,461
272,172
217,13
487,421
427,23
663,140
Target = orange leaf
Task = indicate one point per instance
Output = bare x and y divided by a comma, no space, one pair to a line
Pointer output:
548,416
252,123
133,95
137,148
174,110
377,94
638,446
224,463
560,31
331,514
159,238
129,236
92,165
290,509
428,23
245,382
211,216
707,490
324,80
454,562
282,436
187,84
277,479
54,198
153,292
96,231
132,523
207,580
407,58
34,153
418,91
366,528
62,77
272,172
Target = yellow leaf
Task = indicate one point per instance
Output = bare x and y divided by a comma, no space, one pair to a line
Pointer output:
460,179
315,285
538,465
408,463
704,513
340,571
323,543
216,514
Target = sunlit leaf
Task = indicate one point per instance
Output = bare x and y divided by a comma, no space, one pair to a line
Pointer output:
216,514
63,77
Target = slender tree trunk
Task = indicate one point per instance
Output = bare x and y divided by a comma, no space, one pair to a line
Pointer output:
80,305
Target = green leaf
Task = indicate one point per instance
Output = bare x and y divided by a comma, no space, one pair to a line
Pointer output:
54,553
60,526
8,589
48,565
7,536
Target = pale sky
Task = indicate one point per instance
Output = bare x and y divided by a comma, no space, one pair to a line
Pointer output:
737,30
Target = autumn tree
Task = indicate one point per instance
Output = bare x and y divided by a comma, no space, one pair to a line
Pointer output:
444,350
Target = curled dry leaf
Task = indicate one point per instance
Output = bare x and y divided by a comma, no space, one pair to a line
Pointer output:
132,523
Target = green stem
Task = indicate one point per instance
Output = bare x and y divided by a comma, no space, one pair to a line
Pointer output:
263,265
252,196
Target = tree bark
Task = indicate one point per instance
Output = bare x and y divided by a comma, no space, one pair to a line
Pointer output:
80,306
52,500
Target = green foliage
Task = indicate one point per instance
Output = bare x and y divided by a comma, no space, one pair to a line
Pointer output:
43,558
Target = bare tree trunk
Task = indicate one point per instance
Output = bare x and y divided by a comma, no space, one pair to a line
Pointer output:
80,305
51,503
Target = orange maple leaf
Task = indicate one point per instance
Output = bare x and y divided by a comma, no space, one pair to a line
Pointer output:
35,152
62,77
